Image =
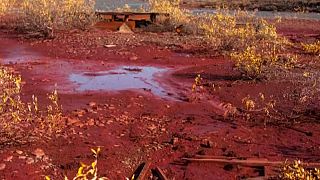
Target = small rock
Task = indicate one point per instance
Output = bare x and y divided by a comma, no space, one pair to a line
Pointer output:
152,127
71,121
79,124
206,143
109,121
22,157
2,166
174,140
19,152
124,28
93,104
133,58
30,161
90,122
111,108
101,125
39,153
8,159
109,45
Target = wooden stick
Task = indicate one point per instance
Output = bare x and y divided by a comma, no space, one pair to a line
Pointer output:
141,172
253,162
226,157
162,176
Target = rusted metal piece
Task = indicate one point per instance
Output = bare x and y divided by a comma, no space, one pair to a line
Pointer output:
113,20
127,16
114,26
141,173
160,174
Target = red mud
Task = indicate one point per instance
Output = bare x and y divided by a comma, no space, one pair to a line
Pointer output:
136,126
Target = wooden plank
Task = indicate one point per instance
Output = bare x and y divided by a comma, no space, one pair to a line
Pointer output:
128,13
160,173
250,163
141,173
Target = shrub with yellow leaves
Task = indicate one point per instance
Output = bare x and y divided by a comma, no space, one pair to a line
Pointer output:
298,171
88,172
21,122
45,16
313,48
5,6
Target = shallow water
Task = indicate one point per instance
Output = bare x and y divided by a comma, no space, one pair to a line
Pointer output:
108,5
121,78
18,54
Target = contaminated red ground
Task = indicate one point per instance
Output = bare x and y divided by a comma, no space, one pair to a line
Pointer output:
135,126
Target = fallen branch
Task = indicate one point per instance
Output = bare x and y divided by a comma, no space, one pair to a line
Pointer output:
248,162
160,173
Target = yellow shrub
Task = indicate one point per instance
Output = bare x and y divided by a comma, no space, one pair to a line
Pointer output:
5,6
297,171
313,48
249,62
45,16
20,120
177,15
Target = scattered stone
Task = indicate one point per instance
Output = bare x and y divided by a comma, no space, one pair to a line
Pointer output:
22,157
109,121
101,125
124,28
19,152
80,113
152,127
72,121
174,140
8,159
2,166
79,124
133,58
111,108
206,143
90,122
109,45
30,161
93,104
39,153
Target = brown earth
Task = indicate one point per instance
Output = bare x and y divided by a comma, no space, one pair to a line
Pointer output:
137,126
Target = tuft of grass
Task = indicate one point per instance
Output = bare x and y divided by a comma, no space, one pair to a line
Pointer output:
251,42
88,172
5,6
21,122
313,48
296,170
44,17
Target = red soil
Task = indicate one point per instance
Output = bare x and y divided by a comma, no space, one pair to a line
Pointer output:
135,126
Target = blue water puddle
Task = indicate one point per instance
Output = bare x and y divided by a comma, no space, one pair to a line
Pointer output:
121,78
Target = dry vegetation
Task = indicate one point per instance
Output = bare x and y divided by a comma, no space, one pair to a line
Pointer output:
251,43
44,17
296,170
22,122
